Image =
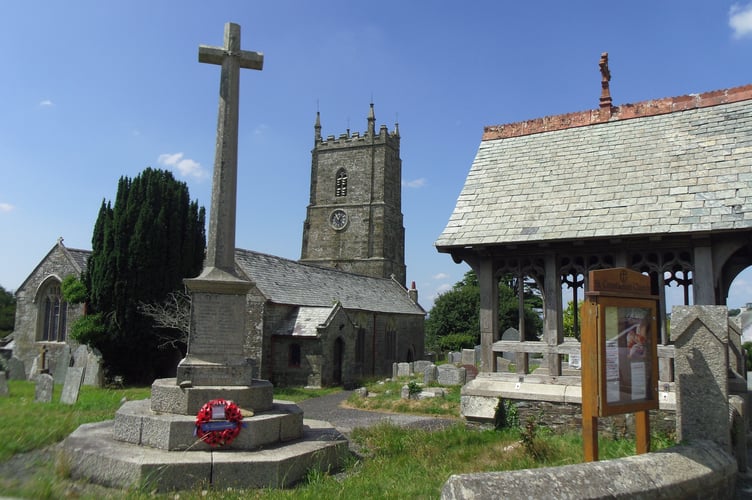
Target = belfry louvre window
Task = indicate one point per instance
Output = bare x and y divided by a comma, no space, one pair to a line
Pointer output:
340,186
54,315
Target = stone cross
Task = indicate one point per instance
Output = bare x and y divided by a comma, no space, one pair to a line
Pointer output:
221,245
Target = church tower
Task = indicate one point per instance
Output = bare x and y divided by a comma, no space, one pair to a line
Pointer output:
354,218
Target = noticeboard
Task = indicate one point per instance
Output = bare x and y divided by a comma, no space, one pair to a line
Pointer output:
619,340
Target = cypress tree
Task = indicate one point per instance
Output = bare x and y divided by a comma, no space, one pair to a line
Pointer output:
142,248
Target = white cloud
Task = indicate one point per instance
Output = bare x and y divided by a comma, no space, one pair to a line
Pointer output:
261,129
740,20
440,276
46,103
185,166
416,183
6,207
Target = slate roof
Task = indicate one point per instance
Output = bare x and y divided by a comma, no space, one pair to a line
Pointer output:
304,320
678,165
284,281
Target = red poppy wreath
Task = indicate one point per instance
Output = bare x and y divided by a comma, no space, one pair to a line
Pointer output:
218,422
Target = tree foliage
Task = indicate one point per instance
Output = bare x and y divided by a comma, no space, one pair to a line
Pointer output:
142,248
7,312
454,317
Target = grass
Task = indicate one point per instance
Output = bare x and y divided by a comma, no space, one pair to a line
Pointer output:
394,462
386,396
30,425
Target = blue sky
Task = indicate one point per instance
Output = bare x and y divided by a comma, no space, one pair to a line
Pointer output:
93,90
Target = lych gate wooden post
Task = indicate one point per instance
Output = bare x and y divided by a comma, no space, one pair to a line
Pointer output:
619,354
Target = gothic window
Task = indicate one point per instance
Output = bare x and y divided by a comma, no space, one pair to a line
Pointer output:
293,359
54,312
340,186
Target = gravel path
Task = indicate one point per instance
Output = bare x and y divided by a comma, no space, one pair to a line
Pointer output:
329,408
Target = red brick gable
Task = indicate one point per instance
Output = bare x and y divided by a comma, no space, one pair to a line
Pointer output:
625,112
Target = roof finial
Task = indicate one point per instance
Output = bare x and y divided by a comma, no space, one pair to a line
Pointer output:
317,126
605,79
371,120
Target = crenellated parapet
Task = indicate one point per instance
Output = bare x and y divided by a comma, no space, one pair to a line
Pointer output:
351,139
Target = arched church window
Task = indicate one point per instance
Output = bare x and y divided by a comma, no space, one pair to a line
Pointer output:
54,311
340,186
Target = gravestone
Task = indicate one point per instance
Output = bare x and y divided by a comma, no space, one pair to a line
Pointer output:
454,357
420,366
72,386
404,369
450,375
80,355
511,334
62,363
502,364
93,372
430,374
468,357
575,360
45,384
700,336
16,369
3,385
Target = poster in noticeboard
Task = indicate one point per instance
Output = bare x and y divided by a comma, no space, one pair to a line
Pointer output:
627,332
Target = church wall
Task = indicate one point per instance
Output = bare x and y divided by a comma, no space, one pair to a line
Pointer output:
254,344
309,371
55,266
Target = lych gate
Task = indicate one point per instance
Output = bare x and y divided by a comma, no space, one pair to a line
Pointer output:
663,187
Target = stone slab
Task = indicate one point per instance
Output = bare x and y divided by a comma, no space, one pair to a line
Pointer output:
168,397
45,385
62,363
701,470
16,369
72,386
91,453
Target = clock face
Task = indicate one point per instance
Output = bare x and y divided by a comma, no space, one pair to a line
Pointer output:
338,219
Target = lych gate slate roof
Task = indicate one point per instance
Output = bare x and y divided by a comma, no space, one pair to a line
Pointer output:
284,281
676,165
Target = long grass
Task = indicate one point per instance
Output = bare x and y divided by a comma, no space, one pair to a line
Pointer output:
30,425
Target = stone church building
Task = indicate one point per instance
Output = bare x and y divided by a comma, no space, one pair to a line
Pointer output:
340,313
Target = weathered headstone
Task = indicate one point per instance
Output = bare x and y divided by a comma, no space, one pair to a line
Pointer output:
450,375
45,384
511,334
72,385
80,355
468,357
454,357
420,365
3,385
94,373
502,364
404,369
62,363
700,336
16,369
430,374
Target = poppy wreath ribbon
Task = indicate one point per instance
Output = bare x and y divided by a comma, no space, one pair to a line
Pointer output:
218,422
